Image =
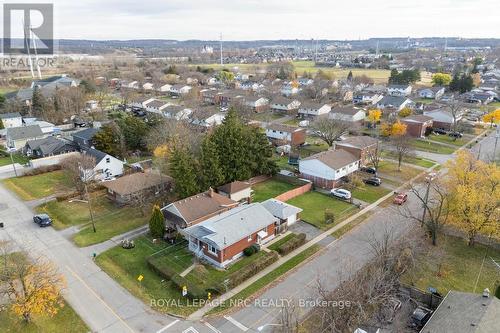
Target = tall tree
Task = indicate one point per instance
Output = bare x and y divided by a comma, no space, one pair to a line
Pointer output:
212,174
183,170
441,79
156,223
37,101
330,129
134,131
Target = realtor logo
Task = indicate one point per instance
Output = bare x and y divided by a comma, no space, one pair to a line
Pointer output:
28,28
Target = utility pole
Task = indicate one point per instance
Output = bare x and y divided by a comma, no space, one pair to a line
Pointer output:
12,160
429,179
221,61
497,136
83,176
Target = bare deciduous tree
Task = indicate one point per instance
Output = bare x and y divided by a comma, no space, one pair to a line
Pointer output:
73,167
402,147
330,129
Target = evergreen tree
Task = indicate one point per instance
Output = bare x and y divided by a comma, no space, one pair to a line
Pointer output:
156,223
134,131
211,169
349,76
260,153
37,101
2,101
183,171
455,82
107,140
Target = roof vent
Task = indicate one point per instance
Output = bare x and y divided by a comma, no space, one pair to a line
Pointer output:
486,293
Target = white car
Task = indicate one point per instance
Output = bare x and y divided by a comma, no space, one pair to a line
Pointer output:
341,193
304,123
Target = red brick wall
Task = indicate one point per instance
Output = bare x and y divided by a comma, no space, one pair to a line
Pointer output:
298,138
294,193
239,246
320,182
414,129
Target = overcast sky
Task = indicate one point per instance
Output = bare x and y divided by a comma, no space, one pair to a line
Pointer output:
273,19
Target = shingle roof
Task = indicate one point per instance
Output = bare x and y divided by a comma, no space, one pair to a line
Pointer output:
86,134
10,115
232,226
280,209
234,187
97,154
347,110
136,182
284,128
24,132
465,313
418,118
199,206
335,159
359,141
49,145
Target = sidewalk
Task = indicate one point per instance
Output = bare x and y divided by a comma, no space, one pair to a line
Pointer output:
201,312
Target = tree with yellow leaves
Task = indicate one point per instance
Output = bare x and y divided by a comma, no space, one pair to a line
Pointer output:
405,112
33,287
492,117
374,116
474,190
394,129
397,134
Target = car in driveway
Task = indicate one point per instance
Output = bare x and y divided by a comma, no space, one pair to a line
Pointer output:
43,220
341,193
400,198
440,131
374,181
370,170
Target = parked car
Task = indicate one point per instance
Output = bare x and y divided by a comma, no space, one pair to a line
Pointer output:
455,134
400,198
374,181
371,170
341,193
43,220
439,131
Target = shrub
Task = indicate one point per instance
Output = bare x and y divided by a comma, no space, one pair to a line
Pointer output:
66,196
292,244
329,216
251,269
161,267
43,169
194,291
251,250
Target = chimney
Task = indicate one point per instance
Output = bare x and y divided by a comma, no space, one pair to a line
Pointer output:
211,192
486,293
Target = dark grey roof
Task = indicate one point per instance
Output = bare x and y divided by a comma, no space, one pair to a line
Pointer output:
392,100
97,154
50,145
86,134
24,132
465,313
10,115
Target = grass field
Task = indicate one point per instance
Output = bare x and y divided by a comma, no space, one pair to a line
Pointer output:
448,140
5,90
270,189
126,265
452,265
391,168
423,162
39,186
282,162
18,158
66,320
315,147
266,279
110,220
368,193
432,147
314,205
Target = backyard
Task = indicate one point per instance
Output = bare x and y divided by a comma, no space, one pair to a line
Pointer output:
18,158
314,205
270,189
453,265
110,220
39,186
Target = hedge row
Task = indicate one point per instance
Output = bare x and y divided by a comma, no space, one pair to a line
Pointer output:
292,244
251,269
161,267
42,169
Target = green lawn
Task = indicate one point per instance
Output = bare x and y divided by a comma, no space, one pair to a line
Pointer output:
18,158
282,162
368,193
110,220
266,279
315,147
432,147
391,169
5,90
66,320
270,189
125,266
39,186
420,161
275,246
267,116
453,265
292,122
459,142
314,205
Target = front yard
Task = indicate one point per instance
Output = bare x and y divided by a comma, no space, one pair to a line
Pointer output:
432,147
18,158
452,265
110,220
368,193
459,142
389,170
270,189
39,186
314,205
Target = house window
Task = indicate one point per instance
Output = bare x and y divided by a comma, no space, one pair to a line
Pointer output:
108,160
249,238
343,169
212,249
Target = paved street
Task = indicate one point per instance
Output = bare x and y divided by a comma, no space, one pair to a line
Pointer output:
106,307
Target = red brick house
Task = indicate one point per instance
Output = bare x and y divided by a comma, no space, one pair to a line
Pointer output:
221,239
418,125
359,146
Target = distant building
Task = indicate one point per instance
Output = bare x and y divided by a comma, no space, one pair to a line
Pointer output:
13,119
283,134
17,137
